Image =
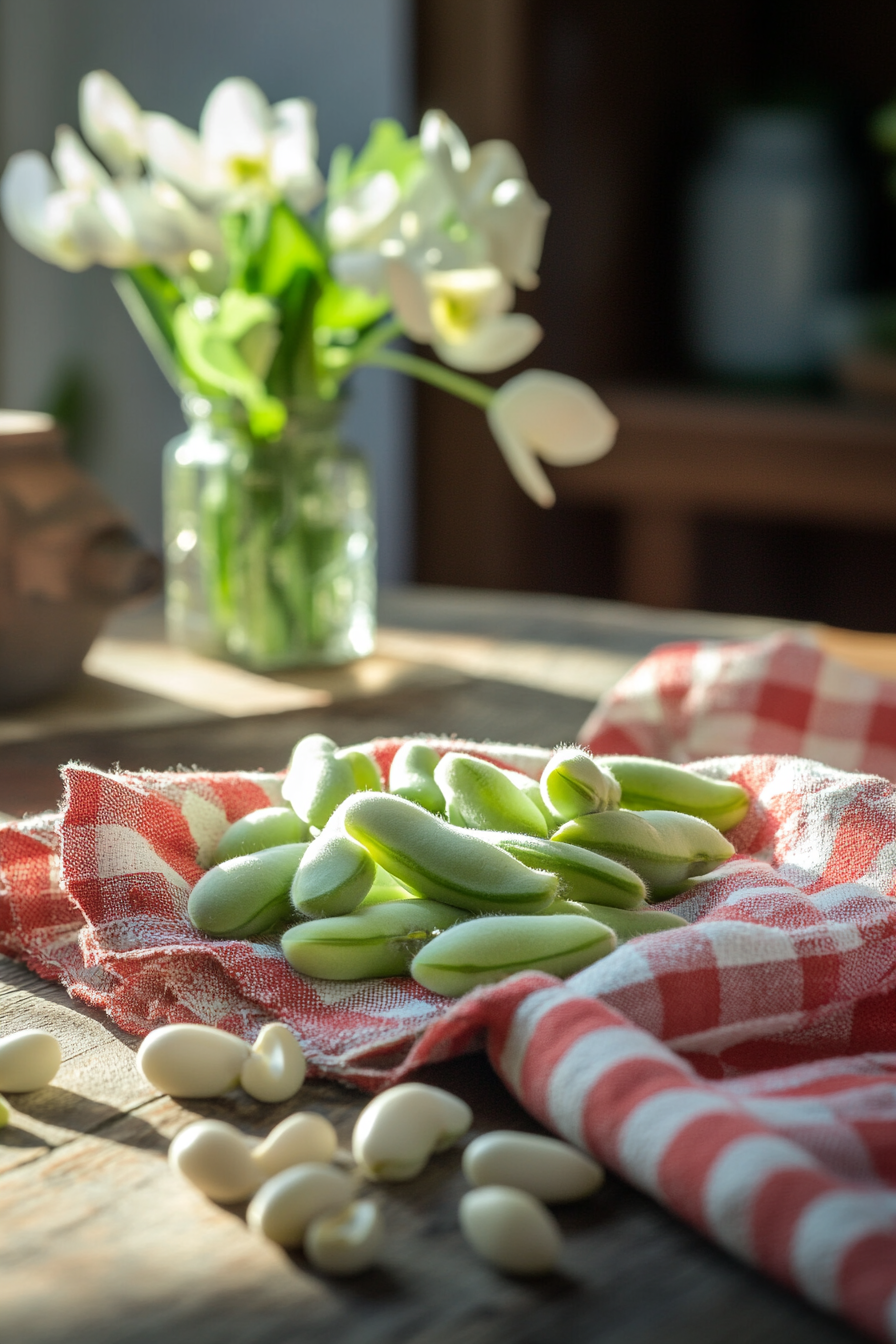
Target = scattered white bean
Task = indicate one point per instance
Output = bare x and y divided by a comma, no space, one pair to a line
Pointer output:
304,1137
511,1229
348,1242
215,1157
28,1060
275,1068
286,1204
547,1168
396,1134
191,1060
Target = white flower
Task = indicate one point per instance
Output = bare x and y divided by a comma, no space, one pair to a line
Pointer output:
167,228
112,122
549,416
463,315
492,195
73,220
245,151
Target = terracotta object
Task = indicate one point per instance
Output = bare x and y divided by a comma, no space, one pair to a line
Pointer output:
67,557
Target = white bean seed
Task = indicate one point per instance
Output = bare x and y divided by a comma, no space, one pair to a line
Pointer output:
348,1242
215,1157
275,1069
304,1137
397,1133
188,1059
28,1060
511,1229
547,1168
286,1204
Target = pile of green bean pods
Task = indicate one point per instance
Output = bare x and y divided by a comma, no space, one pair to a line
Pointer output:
422,873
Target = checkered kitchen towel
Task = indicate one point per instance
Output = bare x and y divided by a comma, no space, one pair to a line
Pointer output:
741,1070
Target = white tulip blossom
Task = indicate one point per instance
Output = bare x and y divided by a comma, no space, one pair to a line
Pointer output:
550,416
463,315
246,151
112,122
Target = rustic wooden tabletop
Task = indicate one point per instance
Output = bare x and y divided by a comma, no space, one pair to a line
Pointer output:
99,1242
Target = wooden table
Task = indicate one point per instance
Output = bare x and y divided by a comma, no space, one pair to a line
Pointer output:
99,1242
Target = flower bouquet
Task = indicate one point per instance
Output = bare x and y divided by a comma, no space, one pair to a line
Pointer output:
259,288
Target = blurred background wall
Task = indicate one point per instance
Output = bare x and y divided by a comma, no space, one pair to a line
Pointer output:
66,337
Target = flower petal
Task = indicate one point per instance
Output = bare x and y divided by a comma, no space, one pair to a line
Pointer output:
362,214
514,222
443,143
76,166
494,344
111,121
175,155
491,162
235,122
166,227
38,214
293,154
563,420
523,464
410,299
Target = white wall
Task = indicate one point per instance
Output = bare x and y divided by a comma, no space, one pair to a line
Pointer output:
351,57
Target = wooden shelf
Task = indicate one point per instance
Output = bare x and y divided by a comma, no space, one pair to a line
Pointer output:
682,454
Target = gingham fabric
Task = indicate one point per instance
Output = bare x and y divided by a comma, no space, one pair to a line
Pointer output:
780,694
741,1070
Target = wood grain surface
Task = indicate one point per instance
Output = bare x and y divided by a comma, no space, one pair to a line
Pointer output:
101,1244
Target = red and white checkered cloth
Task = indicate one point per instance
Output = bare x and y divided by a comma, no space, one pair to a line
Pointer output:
741,1070
781,694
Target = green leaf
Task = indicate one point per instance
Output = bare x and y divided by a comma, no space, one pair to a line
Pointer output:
151,300
340,167
388,149
339,309
288,248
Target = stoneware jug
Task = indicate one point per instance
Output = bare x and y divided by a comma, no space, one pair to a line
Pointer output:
67,557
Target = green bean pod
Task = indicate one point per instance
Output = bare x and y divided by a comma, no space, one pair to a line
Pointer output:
411,776
648,785
335,875
480,795
376,940
443,862
245,895
573,783
365,771
317,780
664,848
262,829
387,888
624,923
532,789
583,874
484,951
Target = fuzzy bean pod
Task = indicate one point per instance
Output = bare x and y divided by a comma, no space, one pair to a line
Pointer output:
625,924
386,888
484,951
573,783
583,874
443,862
4,1112
318,779
376,940
650,785
365,771
335,875
262,829
480,795
532,789
412,777
247,895
664,848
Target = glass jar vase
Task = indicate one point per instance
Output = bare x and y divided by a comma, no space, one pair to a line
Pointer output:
269,546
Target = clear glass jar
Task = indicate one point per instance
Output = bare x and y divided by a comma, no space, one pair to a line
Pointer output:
270,547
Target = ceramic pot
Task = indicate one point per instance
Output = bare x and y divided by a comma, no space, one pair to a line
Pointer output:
67,558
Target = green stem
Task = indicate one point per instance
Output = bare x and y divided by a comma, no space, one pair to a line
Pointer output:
436,374
379,336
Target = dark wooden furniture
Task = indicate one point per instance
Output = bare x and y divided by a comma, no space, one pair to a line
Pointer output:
101,1244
